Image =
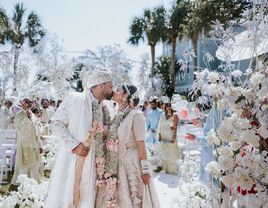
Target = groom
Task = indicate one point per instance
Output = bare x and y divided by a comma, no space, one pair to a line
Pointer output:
72,122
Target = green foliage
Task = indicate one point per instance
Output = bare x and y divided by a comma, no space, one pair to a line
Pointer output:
136,30
177,19
204,12
162,68
42,77
150,27
3,25
75,81
19,28
34,29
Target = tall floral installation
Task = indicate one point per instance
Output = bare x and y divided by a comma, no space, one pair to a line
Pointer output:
240,143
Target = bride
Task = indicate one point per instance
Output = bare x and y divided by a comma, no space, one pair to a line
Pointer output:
134,187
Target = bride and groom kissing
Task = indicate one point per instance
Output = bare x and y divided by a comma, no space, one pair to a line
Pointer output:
101,162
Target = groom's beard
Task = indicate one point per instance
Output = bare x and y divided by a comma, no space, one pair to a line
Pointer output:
109,96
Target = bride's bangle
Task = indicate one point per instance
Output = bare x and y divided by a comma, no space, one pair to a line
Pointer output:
145,164
145,167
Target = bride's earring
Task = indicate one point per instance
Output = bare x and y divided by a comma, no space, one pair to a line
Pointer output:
124,100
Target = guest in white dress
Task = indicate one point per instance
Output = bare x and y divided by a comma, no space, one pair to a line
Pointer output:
167,134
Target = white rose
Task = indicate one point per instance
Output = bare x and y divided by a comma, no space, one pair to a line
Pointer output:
226,162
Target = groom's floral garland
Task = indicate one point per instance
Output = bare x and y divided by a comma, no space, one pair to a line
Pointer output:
107,156
99,119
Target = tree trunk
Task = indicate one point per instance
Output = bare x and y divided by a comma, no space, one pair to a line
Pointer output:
172,65
15,71
153,59
195,44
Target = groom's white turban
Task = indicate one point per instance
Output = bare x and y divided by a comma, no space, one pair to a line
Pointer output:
97,78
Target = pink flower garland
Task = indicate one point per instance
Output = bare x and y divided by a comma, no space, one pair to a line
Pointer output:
106,157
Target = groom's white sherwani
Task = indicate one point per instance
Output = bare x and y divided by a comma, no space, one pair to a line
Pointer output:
71,123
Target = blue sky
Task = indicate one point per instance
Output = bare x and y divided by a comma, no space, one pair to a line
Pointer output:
86,24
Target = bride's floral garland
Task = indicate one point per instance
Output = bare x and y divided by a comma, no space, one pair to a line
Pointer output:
106,156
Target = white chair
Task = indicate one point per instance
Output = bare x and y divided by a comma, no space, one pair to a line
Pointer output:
8,134
8,138
3,166
9,145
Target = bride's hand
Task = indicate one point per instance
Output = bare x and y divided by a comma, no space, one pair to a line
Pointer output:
146,178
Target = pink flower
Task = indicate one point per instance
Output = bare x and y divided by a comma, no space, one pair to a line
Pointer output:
100,166
112,145
111,203
100,183
98,127
107,175
111,186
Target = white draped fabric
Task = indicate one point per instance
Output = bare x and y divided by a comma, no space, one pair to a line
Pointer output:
71,122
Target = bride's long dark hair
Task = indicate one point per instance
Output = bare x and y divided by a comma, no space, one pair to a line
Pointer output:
131,89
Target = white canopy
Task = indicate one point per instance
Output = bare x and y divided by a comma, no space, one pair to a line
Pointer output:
250,43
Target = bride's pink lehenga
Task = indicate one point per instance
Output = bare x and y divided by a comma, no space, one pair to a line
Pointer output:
131,193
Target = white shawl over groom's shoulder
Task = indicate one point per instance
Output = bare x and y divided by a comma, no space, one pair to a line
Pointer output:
71,123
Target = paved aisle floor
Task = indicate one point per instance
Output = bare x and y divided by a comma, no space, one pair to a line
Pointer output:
167,188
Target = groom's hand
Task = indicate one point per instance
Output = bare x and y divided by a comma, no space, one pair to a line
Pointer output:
81,150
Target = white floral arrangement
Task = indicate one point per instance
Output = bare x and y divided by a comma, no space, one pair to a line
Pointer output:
188,169
192,193
30,194
241,163
241,141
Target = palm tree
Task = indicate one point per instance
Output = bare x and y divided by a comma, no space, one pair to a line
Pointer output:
3,25
150,28
176,20
21,30
204,12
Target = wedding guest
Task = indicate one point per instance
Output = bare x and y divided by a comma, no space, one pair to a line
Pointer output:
146,108
153,120
167,136
28,158
6,115
213,121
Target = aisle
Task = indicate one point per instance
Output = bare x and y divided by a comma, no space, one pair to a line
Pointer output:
167,189
178,192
